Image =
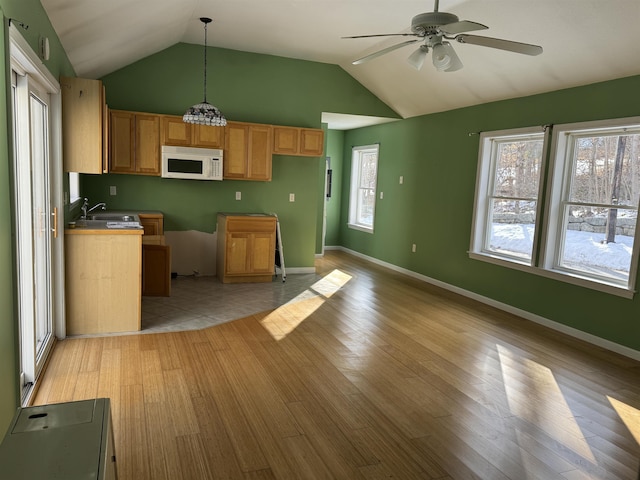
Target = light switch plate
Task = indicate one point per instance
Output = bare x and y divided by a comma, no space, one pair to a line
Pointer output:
292,197
238,195
113,190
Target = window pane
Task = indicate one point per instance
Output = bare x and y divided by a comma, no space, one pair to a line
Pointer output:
599,242
368,170
512,228
606,170
366,203
518,168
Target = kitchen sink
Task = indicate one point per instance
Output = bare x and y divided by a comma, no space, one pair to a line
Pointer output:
114,217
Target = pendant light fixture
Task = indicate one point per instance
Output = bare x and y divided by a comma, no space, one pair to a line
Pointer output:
204,113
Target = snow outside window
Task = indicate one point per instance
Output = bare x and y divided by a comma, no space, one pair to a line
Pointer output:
362,200
586,233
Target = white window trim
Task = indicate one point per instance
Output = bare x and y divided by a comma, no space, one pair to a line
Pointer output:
353,189
557,183
547,221
484,182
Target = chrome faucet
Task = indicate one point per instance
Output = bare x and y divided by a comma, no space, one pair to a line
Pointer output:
86,210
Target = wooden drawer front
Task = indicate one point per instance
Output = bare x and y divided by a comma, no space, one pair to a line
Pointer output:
251,224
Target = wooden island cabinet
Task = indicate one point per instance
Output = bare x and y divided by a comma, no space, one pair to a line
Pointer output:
246,247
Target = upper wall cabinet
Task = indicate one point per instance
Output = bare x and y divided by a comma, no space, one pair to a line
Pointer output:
247,153
308,142
84,125
176,132
135,143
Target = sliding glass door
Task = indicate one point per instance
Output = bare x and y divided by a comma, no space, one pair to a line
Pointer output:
34,223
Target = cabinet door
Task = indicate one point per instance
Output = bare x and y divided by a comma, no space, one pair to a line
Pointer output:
82,117
262,253
122,128
208,136
311,142
147,155
237,253
259,153
175,131
153,223
236,148
156,270
285,140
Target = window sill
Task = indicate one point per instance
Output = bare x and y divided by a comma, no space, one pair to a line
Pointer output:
360,228
565,277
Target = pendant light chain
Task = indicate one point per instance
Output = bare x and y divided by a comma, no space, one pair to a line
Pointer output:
204,113
205,59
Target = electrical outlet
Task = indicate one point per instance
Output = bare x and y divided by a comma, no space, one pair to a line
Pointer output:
113,190
401,179
292,197
381,195
413,248
238,195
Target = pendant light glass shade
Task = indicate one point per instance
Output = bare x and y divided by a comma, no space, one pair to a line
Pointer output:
204,113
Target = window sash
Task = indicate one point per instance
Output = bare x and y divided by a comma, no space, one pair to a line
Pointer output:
364,174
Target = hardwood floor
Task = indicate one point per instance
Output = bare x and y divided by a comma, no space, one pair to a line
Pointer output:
369,375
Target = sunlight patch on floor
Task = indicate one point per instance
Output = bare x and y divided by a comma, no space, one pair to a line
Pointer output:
534,395
285,319
629,415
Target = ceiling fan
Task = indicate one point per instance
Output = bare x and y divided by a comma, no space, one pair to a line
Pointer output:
433,29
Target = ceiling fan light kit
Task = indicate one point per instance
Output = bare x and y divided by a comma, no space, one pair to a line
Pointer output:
432,29
204,113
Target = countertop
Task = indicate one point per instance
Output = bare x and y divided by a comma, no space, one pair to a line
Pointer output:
105,227
232,214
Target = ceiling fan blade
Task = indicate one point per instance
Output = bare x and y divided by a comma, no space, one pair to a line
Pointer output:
508,45
384,35
379,53
462,26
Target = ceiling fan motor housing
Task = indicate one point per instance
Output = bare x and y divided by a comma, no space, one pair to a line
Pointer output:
425,23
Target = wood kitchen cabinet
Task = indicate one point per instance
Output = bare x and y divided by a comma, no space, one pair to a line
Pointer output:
176,132
308,142
246,248
153,223
156,256
247,153
85,130
135,143
103,282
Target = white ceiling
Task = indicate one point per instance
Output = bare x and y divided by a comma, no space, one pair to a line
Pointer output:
584,41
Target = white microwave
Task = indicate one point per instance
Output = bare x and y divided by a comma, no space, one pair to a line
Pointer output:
191,163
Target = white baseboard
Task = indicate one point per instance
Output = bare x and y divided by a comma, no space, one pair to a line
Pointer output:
295,270
573,332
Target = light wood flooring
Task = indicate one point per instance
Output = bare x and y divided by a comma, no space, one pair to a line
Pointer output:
369,375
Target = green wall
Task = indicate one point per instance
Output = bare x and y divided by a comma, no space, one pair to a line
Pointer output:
335,144
31,13
434,207
245,87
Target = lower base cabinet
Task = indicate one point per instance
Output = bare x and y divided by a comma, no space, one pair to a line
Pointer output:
103,284
70,441
246,248
156,270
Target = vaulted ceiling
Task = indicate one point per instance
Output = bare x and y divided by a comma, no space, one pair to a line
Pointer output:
584,41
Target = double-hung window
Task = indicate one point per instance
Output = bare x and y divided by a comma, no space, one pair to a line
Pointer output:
586,233
507,191
364,175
